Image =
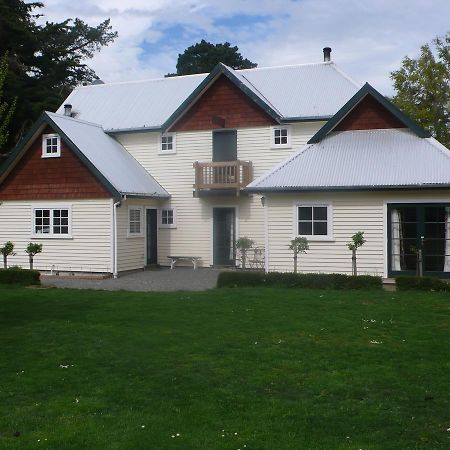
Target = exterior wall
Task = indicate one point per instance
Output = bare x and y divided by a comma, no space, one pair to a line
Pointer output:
193,232
37,178
131,251
89,249
228,104
369,115
352,212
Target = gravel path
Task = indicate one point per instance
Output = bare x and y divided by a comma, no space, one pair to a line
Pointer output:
180,279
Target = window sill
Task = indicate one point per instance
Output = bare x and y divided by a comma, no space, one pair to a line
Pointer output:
278,147
56,155
135,236
165,227
319,238
168,152
50,236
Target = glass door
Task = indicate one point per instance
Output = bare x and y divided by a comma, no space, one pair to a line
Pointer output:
419,239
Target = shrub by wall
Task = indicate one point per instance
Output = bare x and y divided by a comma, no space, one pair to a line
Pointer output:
429,284
16,275
298,280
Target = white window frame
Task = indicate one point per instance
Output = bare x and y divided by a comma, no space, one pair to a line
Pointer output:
51,235
131,234
312,237
272,137
44,145
170,225
174,144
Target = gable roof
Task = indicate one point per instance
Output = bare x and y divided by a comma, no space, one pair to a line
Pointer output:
368,90
297,92
112,165
361,160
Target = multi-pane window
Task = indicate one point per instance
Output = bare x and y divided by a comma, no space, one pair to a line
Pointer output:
168,143
167,217
280,137
135,221
313,220
52,222
51,146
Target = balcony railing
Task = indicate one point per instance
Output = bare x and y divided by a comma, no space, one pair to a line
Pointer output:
222,175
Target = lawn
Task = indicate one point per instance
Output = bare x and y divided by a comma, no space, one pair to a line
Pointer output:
224,369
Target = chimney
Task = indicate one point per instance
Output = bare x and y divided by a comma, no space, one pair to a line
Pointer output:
68,110
327,54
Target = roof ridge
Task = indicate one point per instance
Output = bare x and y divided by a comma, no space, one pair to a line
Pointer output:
62,116
433,142
254,69
345,75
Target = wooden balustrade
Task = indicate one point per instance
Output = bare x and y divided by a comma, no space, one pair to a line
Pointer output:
222,175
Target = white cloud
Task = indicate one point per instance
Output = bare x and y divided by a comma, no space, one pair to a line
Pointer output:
369,38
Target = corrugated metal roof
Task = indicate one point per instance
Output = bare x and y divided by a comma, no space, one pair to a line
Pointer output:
109,157
305,91
366,158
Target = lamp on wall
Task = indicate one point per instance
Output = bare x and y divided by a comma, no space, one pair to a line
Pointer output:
263,201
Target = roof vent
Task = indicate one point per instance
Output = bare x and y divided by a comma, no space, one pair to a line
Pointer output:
327,54
68,110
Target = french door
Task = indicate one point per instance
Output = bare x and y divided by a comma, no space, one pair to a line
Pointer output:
419,239
224,236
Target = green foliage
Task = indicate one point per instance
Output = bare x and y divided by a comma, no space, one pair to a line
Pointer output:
16,275
6,110
204,56
422,87
405,283
299,245
244,244
294,280
357,241
45,61
33,249
7,250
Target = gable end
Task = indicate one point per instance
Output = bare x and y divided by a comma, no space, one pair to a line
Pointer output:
223,105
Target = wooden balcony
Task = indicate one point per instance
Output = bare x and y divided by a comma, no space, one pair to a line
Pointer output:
228,176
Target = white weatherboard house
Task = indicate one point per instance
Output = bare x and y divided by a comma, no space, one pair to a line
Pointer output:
124,175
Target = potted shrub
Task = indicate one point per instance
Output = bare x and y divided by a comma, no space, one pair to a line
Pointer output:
244,244
33,249
357,241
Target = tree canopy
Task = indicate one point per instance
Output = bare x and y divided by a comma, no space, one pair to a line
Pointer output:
204,56
45,61
6,110
422,87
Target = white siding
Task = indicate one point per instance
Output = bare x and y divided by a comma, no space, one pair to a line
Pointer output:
352,212
89,249
193,234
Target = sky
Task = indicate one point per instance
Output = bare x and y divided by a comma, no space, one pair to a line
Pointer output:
369,38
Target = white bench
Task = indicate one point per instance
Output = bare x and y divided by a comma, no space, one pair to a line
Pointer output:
175,259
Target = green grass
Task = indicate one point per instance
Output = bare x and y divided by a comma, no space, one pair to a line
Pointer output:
284,369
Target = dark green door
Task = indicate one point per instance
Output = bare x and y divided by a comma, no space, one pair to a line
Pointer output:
224,146
419,239
224,236
152,236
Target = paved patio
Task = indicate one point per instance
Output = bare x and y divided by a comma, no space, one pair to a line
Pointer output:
164,279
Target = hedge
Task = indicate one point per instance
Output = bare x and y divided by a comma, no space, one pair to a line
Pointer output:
298,280
16,275
405,283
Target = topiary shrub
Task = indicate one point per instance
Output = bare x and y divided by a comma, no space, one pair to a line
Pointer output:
16,275
429,284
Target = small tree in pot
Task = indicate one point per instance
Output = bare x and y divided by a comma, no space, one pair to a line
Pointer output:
244,244
357,241
298,245
33,249
7,250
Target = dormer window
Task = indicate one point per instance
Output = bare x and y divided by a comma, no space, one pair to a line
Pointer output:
168,143
281,137
51,146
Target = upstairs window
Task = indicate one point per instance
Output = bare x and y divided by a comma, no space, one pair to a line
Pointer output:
314,221
51,146
135,221
51,222
168,143
281,137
